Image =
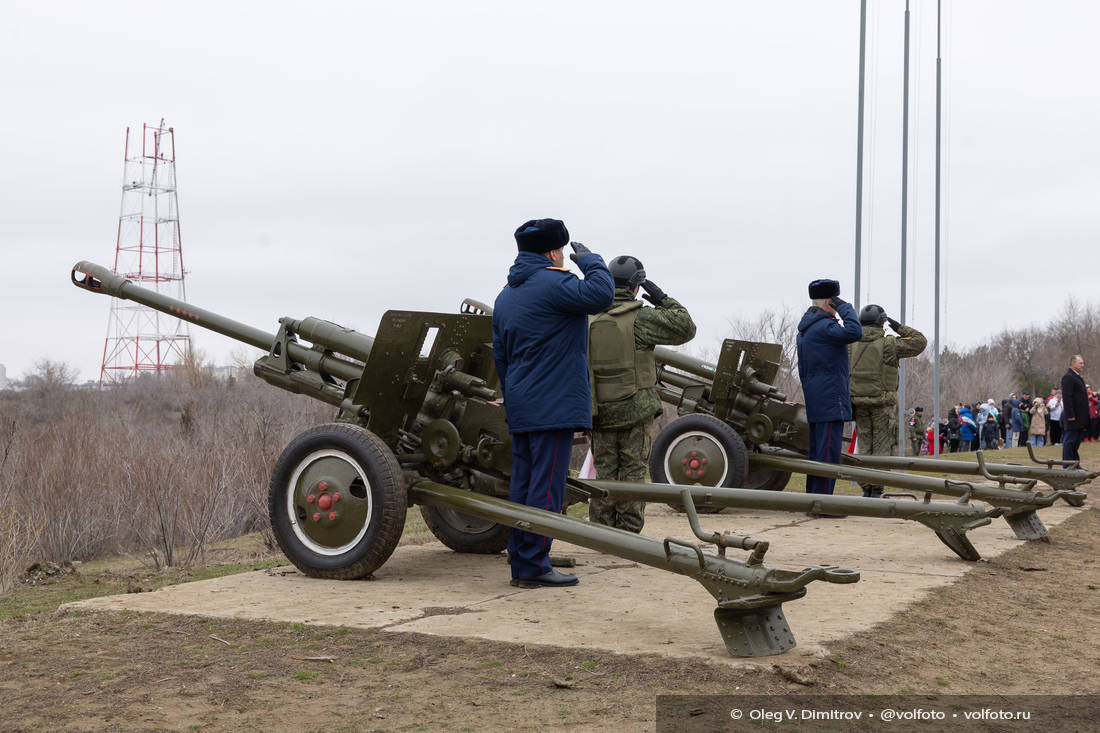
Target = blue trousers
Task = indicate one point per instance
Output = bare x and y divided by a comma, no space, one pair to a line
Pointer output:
540,464
1071,439
825,439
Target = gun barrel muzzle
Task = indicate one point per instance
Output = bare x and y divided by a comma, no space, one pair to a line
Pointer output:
99,279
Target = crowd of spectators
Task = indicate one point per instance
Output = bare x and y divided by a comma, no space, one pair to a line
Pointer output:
1017,421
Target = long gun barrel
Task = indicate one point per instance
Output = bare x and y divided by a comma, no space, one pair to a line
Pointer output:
337,353
98,279
684,363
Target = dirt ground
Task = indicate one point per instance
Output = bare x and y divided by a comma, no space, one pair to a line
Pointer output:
1026,622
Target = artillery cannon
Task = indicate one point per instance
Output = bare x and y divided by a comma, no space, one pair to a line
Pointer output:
736,429
709,454
420,421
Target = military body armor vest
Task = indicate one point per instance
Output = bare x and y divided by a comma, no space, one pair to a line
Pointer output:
874,382
618,369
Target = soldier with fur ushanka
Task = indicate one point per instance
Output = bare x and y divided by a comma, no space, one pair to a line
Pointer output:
824,333
540,346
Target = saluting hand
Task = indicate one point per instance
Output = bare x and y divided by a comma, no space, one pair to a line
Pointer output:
653,292
578,251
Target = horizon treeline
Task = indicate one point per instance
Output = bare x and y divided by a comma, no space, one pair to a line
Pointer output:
1030,359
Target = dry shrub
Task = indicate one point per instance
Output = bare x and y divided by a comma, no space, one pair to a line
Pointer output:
161,467
17,535
18,530
66,469
180,498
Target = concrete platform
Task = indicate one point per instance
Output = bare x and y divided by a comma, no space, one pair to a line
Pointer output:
619,605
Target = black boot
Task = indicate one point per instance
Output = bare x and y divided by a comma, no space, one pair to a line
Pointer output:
553,579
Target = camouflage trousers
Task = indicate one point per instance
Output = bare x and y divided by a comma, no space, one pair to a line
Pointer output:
877,429
621,455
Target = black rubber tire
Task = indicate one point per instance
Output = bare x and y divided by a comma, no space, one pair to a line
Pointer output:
726,437
481,537
385,482
767,479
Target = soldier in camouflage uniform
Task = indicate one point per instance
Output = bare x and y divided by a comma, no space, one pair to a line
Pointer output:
874,381
916,429
624,374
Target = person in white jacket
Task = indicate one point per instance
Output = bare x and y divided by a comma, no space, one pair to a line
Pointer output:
1054,406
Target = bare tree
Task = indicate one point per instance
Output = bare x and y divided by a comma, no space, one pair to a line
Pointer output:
49,376
1076,330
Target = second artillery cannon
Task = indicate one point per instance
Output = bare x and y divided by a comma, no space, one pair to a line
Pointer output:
737,430
707,457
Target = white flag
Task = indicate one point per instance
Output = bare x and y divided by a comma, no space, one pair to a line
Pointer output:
588,470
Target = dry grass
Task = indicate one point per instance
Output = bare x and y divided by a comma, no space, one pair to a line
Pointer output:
18,531
17,535
145,468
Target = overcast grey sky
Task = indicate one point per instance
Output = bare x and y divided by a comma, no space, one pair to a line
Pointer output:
341,159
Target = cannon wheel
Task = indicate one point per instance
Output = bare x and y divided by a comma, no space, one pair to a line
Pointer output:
767,479
465,533
337,501
701,450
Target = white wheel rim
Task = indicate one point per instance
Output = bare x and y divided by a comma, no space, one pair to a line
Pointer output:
292,513
697,434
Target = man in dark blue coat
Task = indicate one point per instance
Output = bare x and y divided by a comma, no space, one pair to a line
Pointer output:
823,368
540,345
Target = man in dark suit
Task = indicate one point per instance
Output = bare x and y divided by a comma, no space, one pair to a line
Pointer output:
1075,415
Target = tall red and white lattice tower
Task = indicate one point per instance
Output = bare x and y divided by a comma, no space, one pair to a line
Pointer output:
149,252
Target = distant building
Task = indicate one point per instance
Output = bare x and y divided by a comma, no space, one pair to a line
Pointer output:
227,372
3,377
